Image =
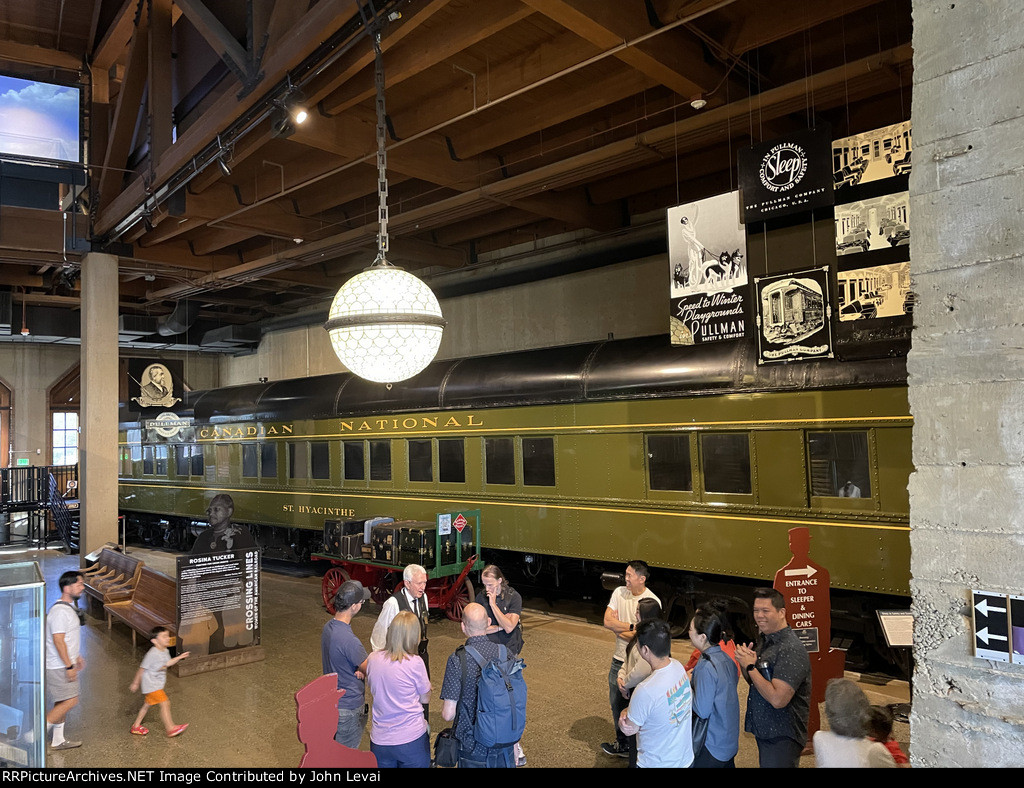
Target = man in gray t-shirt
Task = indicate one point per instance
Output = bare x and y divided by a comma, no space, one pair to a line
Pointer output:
63,661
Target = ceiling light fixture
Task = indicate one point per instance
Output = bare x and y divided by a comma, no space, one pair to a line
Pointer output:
290,112
385,324
698,102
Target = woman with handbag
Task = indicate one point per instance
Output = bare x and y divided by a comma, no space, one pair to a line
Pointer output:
398,681
716,704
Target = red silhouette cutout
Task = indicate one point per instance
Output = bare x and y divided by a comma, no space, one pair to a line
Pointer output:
317,713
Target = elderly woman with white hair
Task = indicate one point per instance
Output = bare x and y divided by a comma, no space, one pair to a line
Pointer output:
846,745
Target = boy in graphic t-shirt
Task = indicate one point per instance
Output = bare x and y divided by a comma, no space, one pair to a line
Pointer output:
151,676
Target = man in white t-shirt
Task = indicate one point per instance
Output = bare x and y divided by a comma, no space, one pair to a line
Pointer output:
659,708
63,663
621,617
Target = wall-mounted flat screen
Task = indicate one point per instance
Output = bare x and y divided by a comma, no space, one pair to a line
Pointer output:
39,119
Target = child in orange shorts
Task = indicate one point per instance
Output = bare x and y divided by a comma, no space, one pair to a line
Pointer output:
152,676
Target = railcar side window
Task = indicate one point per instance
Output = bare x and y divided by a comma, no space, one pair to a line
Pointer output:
182,459
451,460
380,461
726,460
840,467
223,456
268,460
297,461
319,460
539,462
500,461
668,458
355,462
421,461
147,460
250,460
160,455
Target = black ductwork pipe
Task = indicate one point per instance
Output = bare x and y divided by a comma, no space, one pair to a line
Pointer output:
180,320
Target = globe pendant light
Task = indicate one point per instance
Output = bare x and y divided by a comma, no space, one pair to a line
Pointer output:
385,324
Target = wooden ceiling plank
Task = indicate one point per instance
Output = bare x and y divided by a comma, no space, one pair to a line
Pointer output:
125,115
766,23
572,207
38,56
411,57
320,22
216,35
115,39
160,98
407,249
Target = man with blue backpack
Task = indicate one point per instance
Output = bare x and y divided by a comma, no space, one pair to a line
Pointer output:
484,692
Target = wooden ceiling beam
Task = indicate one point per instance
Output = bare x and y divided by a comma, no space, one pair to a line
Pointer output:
412,250
410,57
765,23
38,56
159,102
115,39
573,208
480,226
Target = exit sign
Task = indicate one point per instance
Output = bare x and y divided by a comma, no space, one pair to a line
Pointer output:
22,461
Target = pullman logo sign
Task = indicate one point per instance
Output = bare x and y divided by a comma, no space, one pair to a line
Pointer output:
787,175
783,167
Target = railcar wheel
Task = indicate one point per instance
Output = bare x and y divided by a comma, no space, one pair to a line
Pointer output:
330,584
385,586
463,596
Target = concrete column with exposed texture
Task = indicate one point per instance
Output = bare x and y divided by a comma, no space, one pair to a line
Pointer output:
98,456
966,372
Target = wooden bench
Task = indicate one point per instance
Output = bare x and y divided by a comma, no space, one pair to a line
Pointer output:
113,577
154,603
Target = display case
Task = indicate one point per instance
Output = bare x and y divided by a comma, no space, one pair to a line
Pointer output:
22,622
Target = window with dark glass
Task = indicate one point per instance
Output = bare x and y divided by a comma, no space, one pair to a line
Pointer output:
319,460
147,460
198,461
668,462
840,467
499,461
539,462
268,460
182,459
421,461
160,456
297,461
726,461
380,461
355,462
250,460
451,460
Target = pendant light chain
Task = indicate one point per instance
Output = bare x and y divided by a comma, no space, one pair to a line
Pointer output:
382,154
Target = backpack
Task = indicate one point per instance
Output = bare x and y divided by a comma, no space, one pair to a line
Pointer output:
500,699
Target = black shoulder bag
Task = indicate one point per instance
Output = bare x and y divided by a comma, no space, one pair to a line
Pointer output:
446,745
700,724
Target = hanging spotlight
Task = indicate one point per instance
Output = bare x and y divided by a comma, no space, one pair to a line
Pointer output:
290,111
223,166
385,324
294,105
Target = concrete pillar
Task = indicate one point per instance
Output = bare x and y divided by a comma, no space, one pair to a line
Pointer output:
966,373
98,451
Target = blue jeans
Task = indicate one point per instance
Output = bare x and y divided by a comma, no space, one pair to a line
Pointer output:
482,758
618,703
351,724
411,755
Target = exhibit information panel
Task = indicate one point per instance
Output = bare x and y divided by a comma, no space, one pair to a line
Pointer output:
22,622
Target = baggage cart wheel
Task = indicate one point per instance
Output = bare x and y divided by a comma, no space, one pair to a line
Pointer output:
462,597
332,581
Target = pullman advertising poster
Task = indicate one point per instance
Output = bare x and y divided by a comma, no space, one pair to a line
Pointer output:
793,316
873,224
787,175
871,156
218,601
876,291
707,254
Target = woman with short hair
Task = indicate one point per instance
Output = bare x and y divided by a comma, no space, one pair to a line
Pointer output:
398,681
846,745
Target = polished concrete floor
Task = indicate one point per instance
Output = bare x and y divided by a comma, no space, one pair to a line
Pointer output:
245,716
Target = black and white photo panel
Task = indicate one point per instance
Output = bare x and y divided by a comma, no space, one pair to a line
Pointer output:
794,316
873,224
871,156
786,175
874,292
707,253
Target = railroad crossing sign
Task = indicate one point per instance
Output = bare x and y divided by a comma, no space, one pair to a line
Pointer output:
991,625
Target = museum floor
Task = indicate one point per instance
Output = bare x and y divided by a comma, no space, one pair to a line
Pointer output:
245,716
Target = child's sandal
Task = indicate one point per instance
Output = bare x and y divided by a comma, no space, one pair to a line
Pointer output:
138,730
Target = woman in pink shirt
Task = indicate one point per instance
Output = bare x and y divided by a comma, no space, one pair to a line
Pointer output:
399,684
